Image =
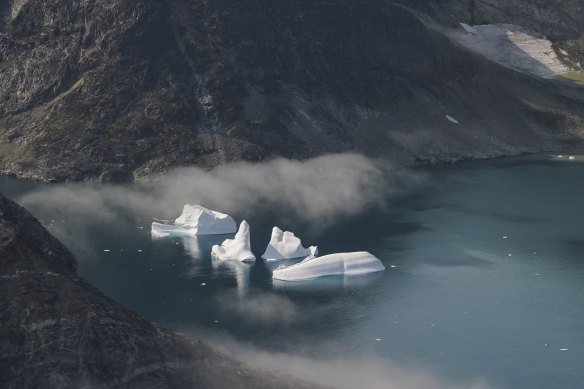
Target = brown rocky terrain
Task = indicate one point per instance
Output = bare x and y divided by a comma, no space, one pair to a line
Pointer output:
120,90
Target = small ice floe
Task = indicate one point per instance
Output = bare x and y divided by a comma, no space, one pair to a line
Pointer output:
354,263
238,248
140,227
392,266
469,29
195,220
537,274
107,250
560,156
204,284
509,254
571,157
504,237
452,120
377,339
139,251
563,349
285,245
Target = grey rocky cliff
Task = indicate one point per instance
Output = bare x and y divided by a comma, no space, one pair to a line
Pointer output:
120,90
561,21
58,331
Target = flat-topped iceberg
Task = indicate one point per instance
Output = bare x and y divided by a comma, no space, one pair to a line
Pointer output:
238,248
354,263
284,245
196,220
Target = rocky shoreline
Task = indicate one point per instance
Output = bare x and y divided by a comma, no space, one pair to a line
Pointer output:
58,331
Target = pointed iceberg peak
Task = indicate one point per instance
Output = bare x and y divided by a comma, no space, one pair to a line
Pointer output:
285,245
238,248
196,220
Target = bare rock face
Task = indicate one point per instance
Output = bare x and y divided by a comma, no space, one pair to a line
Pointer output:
58,331
121,89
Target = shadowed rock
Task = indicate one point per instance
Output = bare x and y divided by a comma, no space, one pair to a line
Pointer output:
116,90
58,331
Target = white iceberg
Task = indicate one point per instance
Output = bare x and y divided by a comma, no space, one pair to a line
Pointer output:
238,248
196,220
355,263
285,245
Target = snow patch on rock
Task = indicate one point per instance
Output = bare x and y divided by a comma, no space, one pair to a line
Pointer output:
512,46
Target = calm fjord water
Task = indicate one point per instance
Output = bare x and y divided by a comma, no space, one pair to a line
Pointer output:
484,277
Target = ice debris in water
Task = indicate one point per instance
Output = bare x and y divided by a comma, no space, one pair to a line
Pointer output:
238,248
285,245
354,263
196,220
451,119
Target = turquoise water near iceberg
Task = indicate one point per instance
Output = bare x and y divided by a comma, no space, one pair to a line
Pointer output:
484,276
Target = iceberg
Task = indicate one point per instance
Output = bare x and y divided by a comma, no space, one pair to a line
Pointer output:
354,263
196,220
284,245
238,248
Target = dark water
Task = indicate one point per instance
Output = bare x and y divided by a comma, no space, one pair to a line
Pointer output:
487,283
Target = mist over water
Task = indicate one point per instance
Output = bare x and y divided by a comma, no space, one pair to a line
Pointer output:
483,282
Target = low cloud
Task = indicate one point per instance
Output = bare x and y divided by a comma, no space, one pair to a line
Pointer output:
317,192
368,371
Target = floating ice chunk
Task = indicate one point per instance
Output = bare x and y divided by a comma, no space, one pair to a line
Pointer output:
355,263
453,120
238,248
469,29
571,157
196,220
284,245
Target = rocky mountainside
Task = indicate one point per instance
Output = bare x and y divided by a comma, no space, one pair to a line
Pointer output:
119,90
58,331
561,21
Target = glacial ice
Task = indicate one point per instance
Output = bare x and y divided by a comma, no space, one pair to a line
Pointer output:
354,263
285,245
238,248
196,220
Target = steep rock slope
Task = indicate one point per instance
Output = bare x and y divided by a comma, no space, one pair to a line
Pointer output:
561,21
58,331
118,90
